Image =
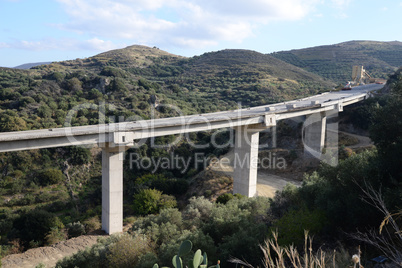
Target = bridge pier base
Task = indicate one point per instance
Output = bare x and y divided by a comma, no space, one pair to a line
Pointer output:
112,189
245,161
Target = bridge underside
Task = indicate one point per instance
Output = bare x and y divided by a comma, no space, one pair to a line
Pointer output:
247,123
245,166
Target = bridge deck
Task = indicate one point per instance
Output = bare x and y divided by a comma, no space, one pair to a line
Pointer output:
158,127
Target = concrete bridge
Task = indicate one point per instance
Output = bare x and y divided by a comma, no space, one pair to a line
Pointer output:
116,138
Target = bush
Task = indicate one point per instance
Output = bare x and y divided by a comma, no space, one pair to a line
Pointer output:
79,155
127,251
75,229
170,186
151,201
226,220
50,176
94,256
224,198
92,224
198,210
113,251
34,225
54,235
292,226
11,123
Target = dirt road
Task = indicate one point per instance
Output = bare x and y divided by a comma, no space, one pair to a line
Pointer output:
267,184
49,255
363,140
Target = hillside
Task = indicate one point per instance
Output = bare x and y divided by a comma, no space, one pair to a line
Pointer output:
335,62
50,194
247,76
62,186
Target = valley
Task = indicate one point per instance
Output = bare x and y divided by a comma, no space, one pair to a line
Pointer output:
50,195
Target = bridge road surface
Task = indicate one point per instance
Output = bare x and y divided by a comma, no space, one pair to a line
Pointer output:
124,133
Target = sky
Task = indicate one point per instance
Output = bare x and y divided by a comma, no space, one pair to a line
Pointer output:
57,30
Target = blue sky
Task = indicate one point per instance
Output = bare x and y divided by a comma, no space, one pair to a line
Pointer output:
56,30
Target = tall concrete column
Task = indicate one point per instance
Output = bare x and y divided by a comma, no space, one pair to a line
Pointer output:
112,189
314,134
273,135
245,161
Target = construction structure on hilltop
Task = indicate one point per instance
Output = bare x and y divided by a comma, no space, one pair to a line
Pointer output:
360,76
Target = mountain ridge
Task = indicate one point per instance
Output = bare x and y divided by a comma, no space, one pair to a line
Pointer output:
331,62
335,61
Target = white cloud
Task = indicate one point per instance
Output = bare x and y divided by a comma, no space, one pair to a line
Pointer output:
98,44
61,44
4,45
341,3
186,23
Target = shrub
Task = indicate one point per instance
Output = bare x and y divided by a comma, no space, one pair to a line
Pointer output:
73,84
170,215
54,235
294,223
79,155
113,251
171,186
35,225
127,251
151,201
94,256
198,210
224,198
50,176
92,224
75,229
11,123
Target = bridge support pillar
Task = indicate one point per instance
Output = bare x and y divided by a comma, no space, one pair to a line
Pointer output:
273,134
245,161
314,134
112,189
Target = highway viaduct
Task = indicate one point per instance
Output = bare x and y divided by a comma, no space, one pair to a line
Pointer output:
116,138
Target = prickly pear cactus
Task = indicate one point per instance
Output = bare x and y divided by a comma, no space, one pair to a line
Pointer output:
199,260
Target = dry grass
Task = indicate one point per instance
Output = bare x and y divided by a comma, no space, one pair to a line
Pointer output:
276,256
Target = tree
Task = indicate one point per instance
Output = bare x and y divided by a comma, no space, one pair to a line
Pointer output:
9,122
127,251
44,111
50,176
34,225
74,84
151,201
79,155
386,131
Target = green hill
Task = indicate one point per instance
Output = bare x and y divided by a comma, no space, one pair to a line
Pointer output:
335,62
126,78
59,189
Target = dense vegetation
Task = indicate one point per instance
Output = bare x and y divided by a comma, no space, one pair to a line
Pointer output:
51,194
127,84
329,205
335,62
